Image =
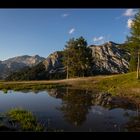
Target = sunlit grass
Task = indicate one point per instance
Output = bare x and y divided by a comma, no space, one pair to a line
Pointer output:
121,84
25,119
27,86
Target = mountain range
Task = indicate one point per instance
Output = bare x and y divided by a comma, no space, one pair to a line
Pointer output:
108,58
16,63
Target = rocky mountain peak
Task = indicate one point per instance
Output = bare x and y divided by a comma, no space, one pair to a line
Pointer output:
25,59
111,43
17,63
109,58
36,56
54,60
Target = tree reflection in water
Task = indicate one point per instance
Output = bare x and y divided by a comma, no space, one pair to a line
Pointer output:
134,121
75,106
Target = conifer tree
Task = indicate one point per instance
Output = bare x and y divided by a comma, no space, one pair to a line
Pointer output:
77,58
134,42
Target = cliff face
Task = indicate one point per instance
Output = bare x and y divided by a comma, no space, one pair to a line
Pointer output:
109,58
53,63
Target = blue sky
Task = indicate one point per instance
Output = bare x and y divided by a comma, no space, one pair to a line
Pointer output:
43,31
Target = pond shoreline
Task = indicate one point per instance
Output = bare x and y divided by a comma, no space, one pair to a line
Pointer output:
122,85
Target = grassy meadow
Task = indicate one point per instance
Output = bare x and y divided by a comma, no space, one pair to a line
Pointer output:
121,85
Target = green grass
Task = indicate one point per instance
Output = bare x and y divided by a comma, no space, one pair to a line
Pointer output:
18,119
125,85
117,82
25,119
122,84
27,86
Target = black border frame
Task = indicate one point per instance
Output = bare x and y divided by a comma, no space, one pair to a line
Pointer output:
69,4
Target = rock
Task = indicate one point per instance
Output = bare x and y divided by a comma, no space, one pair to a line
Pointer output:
109,58
103,95
110,100
53,63
106,99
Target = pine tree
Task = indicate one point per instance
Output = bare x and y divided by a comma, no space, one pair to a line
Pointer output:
77,58
134,42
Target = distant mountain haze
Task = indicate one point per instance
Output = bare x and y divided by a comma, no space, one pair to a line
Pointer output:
17,63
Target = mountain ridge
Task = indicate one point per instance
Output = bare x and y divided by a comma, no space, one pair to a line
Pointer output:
16,63
108,58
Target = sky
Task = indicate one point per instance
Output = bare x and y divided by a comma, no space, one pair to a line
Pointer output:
43,31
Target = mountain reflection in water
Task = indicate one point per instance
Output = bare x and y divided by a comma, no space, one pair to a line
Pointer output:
75,110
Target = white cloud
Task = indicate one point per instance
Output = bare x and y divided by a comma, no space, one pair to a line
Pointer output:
129,23
96,39
130,12
65,15
101,39
72,30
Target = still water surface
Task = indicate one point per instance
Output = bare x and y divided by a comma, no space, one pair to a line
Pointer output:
69,110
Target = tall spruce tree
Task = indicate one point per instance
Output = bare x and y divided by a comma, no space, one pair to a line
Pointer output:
134,42
77,58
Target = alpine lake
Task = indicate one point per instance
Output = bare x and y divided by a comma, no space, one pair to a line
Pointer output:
65,109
